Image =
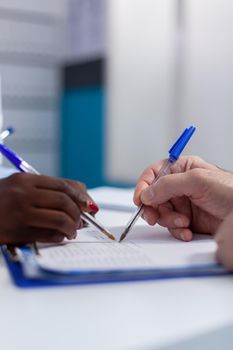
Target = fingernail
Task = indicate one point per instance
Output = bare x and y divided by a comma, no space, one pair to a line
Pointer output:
147,195
179,222
144,216
182,236
93,207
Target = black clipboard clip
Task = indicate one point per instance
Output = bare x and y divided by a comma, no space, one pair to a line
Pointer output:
12,253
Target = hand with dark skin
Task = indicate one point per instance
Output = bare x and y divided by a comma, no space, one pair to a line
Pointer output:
41,208
195,197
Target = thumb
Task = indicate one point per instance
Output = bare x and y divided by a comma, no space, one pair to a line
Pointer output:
171,186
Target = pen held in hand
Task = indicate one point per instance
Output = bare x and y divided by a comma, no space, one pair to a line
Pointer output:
24,167
174,154
139,211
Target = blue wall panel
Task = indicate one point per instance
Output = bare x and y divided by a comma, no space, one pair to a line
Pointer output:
82,135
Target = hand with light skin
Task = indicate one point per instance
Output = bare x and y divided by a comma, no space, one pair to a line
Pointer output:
195,197
224,239
41,208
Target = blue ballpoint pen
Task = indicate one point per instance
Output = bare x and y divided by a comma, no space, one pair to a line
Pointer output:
17,161
24,167
6,132
174,154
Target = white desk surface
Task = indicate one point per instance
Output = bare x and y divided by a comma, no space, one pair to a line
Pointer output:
137,315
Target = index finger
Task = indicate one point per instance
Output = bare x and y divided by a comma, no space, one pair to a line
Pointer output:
145,180
84,200
75,190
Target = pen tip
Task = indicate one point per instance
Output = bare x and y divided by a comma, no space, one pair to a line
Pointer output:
112,237
109,235
123,236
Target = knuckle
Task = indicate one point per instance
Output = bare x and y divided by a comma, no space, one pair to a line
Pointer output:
66,188
19,186
196,159
81,185
17,178
197,174
63,186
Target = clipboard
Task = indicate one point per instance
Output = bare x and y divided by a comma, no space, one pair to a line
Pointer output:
54,280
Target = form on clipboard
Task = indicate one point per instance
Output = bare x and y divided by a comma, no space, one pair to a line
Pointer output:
151,249
148,253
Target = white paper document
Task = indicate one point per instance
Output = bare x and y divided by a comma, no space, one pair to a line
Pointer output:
146,248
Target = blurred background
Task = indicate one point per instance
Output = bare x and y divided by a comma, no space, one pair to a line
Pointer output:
98,89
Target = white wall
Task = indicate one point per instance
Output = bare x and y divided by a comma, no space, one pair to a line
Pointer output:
208,78
166,72
140,84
